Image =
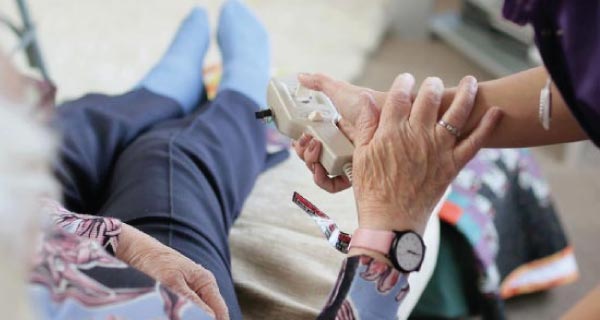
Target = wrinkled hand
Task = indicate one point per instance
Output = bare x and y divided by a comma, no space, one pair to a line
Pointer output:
347,99
172,269
403,160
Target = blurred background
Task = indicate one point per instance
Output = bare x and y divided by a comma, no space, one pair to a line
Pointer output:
106,46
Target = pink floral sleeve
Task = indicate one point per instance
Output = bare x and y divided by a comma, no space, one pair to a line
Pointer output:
73,277
101,229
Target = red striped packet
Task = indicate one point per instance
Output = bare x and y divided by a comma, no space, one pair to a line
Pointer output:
338,239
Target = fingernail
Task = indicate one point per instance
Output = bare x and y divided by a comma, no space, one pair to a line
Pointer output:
303,75
434,83
406,76
303,140
312,145
404,81
497,113
494,116
470,82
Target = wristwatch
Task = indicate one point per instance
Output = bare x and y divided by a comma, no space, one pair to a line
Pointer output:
405,249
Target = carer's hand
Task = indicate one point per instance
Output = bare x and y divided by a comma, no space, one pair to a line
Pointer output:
172,269
348,101
404,160
346,98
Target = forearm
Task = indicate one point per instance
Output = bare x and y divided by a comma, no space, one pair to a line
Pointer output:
127,238
587,308
134,244
518,96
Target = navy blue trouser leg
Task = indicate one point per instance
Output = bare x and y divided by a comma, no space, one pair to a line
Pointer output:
94,130
185,181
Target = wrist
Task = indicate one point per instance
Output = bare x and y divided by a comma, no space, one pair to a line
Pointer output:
392,219
124,249
136,247
356,251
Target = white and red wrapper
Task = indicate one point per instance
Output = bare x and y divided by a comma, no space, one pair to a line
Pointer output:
338,239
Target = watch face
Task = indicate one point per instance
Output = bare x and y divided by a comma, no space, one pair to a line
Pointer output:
409,251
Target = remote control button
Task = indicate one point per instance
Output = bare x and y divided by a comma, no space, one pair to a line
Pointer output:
315,116
303,94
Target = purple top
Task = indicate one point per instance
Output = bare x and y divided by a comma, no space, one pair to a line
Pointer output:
567,34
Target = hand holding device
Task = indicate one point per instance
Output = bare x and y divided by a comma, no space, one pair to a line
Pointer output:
296,110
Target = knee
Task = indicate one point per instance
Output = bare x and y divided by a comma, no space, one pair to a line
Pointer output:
148,147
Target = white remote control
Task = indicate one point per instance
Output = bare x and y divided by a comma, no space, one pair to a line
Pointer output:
296,109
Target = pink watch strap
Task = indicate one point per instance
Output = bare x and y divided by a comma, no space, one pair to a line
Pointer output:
377,240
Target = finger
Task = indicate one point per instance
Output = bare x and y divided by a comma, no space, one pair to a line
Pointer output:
183,289
368,121
204,284
348,129
460,109
318,82
302,144
212,296
398,103
467,148
312,154
427,104
328,184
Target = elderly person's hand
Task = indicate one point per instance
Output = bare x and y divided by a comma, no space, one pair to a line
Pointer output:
172,269
404,160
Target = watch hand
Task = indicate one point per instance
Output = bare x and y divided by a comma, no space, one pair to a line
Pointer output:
412,252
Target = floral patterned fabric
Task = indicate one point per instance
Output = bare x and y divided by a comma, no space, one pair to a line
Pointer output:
74,277
501,204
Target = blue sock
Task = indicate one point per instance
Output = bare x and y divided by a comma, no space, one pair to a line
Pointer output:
178,75
245,51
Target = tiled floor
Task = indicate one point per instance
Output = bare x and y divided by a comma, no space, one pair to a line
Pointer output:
576,190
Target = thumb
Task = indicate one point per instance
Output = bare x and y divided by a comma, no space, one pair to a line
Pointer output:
318,82
368,120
